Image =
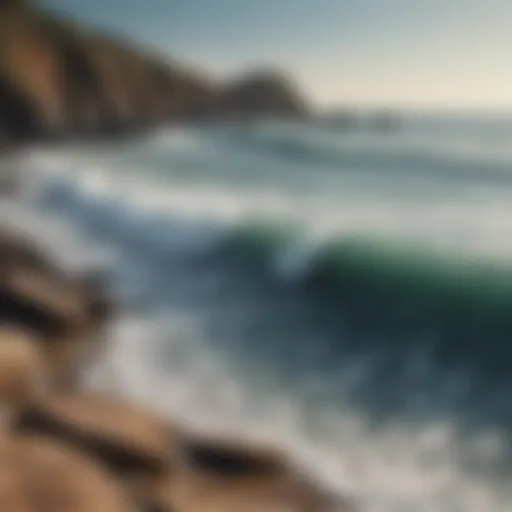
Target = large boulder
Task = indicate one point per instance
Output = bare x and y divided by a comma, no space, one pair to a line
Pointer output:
23,373
231,475
39,476
65,314
135,444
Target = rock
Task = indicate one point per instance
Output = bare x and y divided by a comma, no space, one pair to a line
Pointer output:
135,444
33,69
15,249
22,368
197,97
60,78
59,298
19,115
230,476
39,476
14,3
100,307
87,293
65,314
265,93
118,105
52,313
340,120
87,106
384,121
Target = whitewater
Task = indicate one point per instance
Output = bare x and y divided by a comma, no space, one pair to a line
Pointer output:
346,294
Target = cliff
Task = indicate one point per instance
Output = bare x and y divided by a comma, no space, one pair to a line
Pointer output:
59,78
265,92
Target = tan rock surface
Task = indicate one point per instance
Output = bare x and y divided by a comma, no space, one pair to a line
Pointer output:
40,476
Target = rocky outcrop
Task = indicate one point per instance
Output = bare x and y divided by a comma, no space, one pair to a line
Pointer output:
22,369
135,444
265,93
228,474
19,115
64,314
30,67
38,476
77,450
58,78
121,434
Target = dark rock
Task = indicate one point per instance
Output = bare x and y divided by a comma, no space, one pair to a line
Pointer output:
19,115
262,94
65,314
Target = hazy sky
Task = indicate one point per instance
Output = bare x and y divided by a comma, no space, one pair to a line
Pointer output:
454,53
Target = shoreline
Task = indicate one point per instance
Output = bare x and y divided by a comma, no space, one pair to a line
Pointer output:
54,325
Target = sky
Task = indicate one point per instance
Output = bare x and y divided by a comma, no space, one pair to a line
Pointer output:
403,53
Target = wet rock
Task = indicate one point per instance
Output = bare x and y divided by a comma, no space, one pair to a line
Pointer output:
53,315
135,444
30,273
58,298
39,476
66,314
228,475
15,249
22,368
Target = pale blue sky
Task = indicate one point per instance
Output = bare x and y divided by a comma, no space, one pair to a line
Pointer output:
444,53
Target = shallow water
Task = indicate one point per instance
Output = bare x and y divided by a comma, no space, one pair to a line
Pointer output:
346,295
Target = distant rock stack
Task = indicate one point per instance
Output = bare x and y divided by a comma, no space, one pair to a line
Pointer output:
264,93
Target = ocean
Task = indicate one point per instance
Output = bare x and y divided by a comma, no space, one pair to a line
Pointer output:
344,293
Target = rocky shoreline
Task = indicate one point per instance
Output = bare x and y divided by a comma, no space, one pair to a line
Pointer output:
66,448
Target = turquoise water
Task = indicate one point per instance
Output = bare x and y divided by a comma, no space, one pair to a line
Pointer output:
345,294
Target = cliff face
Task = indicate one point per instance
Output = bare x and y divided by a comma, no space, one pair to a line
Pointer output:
30,93
59,78
40,79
